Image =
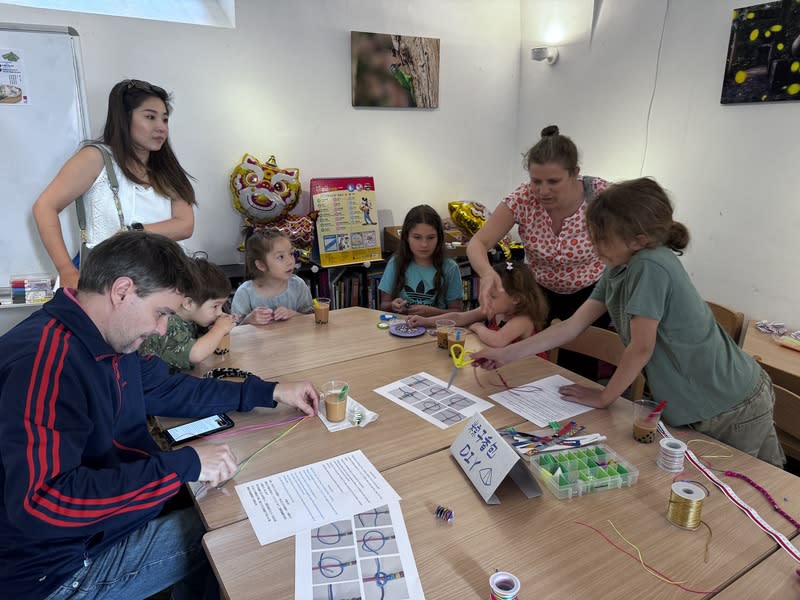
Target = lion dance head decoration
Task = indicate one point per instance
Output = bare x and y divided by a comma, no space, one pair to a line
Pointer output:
264,194
469,217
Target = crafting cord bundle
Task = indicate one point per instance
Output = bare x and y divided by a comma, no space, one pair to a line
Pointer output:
257,427
781,539
445,514
242,464
671,455
686,504
503,586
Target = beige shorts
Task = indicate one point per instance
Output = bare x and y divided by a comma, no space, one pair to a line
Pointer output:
749,426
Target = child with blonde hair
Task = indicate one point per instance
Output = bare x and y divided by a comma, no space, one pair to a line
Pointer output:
708,382
274,293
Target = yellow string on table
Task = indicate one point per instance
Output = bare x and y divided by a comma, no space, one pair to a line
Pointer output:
641,560
247,460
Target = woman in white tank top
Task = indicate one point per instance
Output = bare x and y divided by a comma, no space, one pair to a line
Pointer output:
154,194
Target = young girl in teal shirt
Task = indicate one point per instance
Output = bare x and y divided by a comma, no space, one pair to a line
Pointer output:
418,279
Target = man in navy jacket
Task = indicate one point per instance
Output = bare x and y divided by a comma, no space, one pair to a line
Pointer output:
82,483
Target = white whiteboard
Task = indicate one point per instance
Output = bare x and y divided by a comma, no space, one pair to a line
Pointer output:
36,139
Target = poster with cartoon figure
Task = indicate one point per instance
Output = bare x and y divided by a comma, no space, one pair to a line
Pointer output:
347,223
12,88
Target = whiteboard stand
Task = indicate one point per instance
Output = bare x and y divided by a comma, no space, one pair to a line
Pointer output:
39,136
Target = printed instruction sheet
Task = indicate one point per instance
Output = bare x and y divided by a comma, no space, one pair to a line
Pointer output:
293,501
429,398
540,401
367,555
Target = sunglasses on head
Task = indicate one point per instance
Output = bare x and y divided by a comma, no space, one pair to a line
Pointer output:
144,86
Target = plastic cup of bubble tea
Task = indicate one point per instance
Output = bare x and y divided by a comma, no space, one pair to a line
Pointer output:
334,394
503,586
456,335
321,308
443,329
645,421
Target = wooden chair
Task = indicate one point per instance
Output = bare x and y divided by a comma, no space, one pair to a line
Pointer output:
604,345
787,420
731,321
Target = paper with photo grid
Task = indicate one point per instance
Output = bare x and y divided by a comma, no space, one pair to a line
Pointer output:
365,556
540,401
429,398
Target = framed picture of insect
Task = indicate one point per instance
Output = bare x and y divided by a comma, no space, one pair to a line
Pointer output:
394,71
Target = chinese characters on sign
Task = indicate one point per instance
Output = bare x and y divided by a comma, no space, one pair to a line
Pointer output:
487,459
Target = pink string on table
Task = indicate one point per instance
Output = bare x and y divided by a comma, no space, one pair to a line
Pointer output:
249,428
766,495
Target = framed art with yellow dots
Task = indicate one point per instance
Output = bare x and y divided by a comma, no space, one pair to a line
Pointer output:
763,62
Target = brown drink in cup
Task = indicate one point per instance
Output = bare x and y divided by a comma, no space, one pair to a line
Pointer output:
321,308
645,422
443,329
334,394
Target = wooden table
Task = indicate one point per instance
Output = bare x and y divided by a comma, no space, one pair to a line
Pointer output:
774,578
273,350
782,364
540,540
397,437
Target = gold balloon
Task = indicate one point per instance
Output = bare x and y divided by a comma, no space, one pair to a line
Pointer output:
469,217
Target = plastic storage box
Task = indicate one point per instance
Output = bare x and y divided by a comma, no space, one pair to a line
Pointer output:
31,289
581,471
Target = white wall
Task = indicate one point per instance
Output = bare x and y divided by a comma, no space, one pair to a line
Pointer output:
280,84
732,170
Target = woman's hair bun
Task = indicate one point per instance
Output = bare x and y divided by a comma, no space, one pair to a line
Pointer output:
550,130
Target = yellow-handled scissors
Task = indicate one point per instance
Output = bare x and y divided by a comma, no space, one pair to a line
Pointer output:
460,360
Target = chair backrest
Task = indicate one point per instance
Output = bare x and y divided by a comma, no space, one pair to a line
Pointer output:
787,420
730,320
604,345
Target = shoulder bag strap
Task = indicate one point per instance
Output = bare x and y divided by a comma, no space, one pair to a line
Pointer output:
588,188
113,183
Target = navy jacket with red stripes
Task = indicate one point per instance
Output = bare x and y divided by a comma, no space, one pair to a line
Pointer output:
79,469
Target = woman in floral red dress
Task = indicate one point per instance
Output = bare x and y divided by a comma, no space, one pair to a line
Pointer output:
550,212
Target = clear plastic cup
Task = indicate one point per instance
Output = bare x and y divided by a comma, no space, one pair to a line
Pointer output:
334,395
321,308
457,335
443,329
645,421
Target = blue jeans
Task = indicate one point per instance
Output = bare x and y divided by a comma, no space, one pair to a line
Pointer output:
165,552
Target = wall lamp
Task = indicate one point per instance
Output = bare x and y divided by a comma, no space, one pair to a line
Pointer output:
547,25
546,54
